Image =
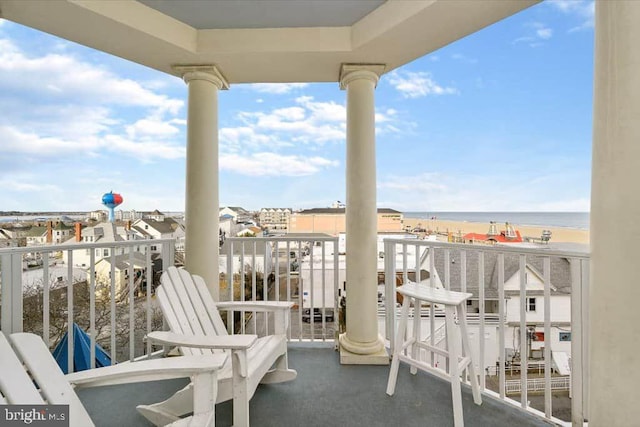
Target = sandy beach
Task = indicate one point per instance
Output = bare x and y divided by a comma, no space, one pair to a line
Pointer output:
558,234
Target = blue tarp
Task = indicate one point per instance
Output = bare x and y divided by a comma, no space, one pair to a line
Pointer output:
81,352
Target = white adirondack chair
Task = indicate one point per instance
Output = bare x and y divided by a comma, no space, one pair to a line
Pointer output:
197,328
30,361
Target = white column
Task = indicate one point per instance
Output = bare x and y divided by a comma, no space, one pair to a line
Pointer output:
361,344
202,204
615,218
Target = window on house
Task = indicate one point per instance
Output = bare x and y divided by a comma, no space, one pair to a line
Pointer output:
105,252
564,336
97,252
154,248
88,251
531,304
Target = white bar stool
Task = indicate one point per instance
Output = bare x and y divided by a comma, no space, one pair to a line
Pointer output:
451,301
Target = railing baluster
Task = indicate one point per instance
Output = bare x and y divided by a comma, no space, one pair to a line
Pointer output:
112,303
70,312
132,328
546,273
481,331
323,287
523,331
501,316
45,298
92,306
577,416
311,300
148,276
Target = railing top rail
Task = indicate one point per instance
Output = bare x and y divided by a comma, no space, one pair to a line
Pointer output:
319,238
538,251
83,245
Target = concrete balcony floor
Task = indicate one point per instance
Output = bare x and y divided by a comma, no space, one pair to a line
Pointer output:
324,394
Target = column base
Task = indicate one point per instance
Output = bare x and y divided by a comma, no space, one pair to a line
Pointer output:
371,353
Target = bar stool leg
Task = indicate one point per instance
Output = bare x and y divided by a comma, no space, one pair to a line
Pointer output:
395,363
454,373
475,387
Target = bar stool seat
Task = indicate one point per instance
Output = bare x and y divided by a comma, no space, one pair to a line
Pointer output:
453,303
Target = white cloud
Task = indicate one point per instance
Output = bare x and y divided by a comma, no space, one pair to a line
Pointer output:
150,127
62,106
308,122
583,10
544,33
65,77
33,145
273,164
464,58
418,84
537,32
275,88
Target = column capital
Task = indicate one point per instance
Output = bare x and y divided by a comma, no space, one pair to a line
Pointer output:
351,72
207,72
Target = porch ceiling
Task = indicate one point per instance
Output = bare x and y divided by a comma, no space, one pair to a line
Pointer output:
266,40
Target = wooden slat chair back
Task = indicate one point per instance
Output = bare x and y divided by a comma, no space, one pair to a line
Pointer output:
189,308
31,363
30,375
197,328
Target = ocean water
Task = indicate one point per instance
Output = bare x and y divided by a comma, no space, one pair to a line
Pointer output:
579,220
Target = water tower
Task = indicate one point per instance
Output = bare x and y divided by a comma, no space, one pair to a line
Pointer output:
111,200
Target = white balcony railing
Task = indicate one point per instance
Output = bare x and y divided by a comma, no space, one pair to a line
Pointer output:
110,298
303,270
516,305
309,271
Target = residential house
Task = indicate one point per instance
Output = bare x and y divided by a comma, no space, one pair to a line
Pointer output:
560,299
17,233
36,236
250,232
156,215
6,241
105,233
158,226
275,219
239,215
98,215
122,265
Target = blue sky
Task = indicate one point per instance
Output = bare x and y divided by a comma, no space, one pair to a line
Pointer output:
498,121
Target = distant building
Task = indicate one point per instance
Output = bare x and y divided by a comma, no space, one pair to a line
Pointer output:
332,221
157,226
130,215
121,268
275,219
250,232
508,235
36,236
98,215
105,232
155,215
237,213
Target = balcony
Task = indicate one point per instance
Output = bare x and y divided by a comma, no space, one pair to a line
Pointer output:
309,270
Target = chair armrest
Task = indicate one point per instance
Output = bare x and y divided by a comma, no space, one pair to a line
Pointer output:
227,342
255,305
147,370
